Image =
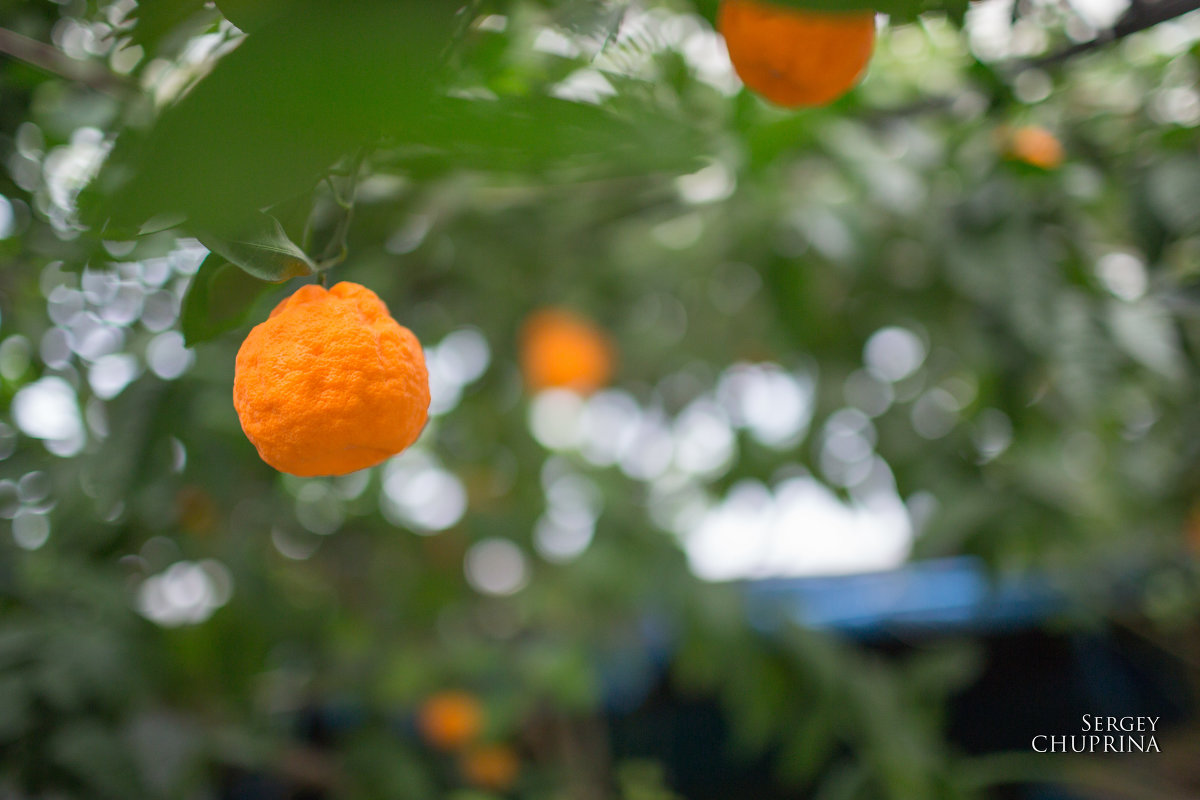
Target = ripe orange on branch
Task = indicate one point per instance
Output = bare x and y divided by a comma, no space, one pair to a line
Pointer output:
562,350
795,57
330,383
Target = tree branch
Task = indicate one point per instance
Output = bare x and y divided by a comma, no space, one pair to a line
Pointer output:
49,59
1140,16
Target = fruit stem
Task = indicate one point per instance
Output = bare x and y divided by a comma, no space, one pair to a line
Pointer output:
336,250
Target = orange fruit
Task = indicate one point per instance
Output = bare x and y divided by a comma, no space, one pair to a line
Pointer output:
494,767
1035,145
796,57
330,383
450,720
562,350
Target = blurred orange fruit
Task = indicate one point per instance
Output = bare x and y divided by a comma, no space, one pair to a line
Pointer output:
330,383
197,513
494,767
793,57
1037,146
562,350
450,720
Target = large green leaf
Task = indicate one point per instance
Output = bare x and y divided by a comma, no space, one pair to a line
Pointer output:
277,112
262,249
274,114
219,299
252,15
548,134
157,21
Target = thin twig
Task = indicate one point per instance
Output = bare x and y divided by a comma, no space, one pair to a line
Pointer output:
1139,17
50,59
337,248
614,31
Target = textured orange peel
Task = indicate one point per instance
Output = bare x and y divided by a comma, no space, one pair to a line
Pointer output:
330,383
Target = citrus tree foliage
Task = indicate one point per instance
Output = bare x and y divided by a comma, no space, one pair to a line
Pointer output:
873,300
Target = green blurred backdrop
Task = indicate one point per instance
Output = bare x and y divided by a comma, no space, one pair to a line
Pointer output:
847,338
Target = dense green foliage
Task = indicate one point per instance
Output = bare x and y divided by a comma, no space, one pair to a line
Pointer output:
1001,356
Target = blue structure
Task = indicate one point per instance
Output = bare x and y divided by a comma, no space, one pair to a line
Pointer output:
945,596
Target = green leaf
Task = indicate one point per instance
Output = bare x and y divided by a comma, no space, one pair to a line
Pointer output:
262,249
941,670
251,15
159,223
808,745
155,21
548,134
275,113
293,215
219,299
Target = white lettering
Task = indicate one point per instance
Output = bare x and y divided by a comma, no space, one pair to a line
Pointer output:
1091,743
